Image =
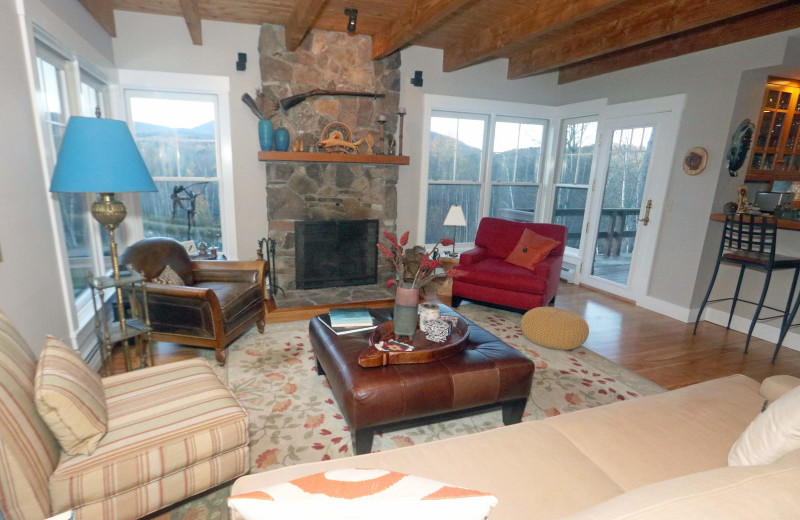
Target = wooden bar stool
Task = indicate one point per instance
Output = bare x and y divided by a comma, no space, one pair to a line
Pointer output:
750,241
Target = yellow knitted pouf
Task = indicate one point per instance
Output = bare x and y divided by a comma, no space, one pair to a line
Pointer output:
555,328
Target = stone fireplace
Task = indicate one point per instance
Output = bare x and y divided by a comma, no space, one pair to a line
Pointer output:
319,191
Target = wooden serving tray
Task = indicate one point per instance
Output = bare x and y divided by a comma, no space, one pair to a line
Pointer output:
424,351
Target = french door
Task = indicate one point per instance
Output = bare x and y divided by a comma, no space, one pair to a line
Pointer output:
627,203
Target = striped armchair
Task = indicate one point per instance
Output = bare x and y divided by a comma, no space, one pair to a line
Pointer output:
173,431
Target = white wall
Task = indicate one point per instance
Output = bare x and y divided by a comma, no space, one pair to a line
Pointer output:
710,80
162,43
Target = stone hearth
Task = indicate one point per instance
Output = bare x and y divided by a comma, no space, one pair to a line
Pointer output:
327,191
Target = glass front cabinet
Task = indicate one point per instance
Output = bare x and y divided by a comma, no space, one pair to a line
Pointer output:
776,146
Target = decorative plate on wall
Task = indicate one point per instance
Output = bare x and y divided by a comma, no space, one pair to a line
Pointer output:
695,160
740,145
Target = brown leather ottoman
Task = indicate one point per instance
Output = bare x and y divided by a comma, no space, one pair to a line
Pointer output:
487,372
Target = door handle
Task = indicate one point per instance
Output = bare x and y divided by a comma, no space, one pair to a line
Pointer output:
647,208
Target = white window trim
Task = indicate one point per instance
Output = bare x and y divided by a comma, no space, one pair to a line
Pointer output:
574,254
196,84
489,184
80,311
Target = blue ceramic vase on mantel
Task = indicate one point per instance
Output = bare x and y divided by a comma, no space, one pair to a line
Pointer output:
265,134
281,138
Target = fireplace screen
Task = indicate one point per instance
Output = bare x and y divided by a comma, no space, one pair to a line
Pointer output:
336,253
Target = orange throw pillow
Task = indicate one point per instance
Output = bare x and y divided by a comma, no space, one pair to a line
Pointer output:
531,249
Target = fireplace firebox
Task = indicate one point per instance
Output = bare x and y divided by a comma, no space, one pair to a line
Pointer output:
335,253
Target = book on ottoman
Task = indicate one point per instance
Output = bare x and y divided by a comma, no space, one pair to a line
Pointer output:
349,320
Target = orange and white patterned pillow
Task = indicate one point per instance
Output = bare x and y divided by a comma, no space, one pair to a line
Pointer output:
70,398
363,494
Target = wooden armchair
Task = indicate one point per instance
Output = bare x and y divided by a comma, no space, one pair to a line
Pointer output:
217,303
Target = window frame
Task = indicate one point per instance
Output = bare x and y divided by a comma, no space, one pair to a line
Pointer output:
228,237
493,109
482,170
71,72
490,184
590,182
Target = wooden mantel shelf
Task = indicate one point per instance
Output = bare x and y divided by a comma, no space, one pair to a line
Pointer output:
783,223
332,157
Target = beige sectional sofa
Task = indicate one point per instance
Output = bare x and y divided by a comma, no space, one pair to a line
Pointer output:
659,457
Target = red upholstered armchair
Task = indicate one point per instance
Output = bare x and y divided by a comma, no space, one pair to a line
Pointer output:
489,278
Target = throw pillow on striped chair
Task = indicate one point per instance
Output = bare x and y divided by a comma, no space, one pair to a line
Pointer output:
70,398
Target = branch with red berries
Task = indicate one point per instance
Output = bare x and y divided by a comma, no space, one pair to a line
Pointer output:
427,266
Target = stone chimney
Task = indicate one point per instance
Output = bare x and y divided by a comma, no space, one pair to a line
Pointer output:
327,191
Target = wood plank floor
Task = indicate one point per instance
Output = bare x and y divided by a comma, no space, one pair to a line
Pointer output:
659,348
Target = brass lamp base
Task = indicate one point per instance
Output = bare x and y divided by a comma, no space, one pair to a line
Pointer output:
108,211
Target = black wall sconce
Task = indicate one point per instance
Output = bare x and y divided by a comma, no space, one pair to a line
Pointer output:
417,79
351,21
241,63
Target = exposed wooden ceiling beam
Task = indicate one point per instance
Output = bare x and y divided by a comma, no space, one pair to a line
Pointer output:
103,12
192,16
421,17
761,23
528,22
299,23
640,24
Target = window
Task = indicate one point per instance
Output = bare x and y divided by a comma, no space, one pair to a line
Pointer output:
75,224
457,170
455,163
516,160
578,140
177,134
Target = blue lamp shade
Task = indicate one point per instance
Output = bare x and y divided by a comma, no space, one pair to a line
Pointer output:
99,155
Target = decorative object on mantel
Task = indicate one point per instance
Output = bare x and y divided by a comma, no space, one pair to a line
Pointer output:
695,160
740,146
390,145
298,146
264,124
401,113
382,122
407,296
289,102
265,134
336,138
741,204
281,138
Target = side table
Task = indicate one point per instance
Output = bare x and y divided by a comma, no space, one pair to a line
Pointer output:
445,292
136,327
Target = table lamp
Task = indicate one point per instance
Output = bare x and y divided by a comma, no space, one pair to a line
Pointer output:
455,218
100,156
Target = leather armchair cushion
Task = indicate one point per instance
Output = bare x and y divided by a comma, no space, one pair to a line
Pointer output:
494,272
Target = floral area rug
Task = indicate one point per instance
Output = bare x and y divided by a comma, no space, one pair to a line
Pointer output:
295,419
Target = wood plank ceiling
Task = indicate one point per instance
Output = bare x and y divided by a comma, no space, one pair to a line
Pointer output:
578,38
